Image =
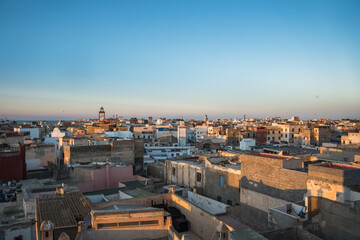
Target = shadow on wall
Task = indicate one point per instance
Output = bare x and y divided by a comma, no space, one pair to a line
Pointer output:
291,195
257,197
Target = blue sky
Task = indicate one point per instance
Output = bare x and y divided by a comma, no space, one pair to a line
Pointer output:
65,59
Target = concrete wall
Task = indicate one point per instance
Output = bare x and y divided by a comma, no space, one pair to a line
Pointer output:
12,140
124,234
207,204
138,155
259,200
290,233
103,178
333,220
156,169
266,175
86,154
278,220
337,154
331,182
25,229
185,174
123,148
41,153
201,223
230,191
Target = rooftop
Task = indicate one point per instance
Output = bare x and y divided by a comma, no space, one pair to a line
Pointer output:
62,210
268,155
124,209
337,166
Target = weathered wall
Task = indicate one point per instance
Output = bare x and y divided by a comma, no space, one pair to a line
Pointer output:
156,169
259,200
201,223
230,191
207,204
43,153
289,233
279,219
86,154
185,174
338,154
123,148
253,217
333,220
138,155
331,182
266,176
103,178
12,140
22,230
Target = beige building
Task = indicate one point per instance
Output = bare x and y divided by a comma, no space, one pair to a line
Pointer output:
273,134
351,138
213,176
146,133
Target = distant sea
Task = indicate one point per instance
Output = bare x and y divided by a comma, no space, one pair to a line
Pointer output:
54,122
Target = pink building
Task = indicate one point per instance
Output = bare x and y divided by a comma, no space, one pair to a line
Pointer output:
107,177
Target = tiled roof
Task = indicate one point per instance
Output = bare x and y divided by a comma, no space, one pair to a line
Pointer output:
62,210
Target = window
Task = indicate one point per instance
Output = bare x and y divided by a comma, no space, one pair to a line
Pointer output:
149,222
198,177
173,171
229,202
107,225
221,181
125,224
285,135
219,198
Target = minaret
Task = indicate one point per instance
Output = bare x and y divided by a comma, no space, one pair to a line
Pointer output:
101,114
181,134
205,118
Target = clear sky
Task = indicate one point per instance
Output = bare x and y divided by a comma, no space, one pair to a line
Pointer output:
64,59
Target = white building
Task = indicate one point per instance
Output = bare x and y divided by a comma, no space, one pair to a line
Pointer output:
162,153
200,133
56,133
162,130
34,132
119,134
247,143
181,135
146,133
